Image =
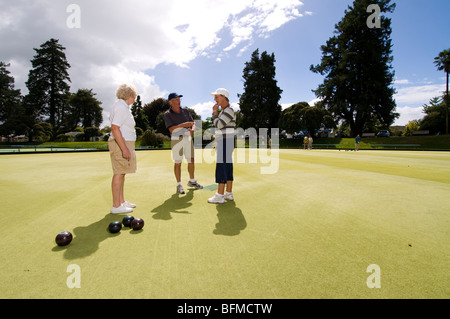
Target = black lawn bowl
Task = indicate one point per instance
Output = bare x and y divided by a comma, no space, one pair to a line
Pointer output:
137,224
115,227
126,221
63,238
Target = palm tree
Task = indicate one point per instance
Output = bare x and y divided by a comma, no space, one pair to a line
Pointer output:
442,62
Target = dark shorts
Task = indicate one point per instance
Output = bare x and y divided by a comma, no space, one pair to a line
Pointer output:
224,164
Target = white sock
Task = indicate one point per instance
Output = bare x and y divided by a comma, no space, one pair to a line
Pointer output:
192,180
228,193
179,183
220,195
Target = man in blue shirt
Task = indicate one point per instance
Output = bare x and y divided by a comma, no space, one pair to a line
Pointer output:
357,141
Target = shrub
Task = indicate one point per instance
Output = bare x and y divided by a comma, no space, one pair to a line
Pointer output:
64,138
411,127
161,138
149,138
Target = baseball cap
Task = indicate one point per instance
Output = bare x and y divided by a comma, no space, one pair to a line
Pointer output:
173,96
221,91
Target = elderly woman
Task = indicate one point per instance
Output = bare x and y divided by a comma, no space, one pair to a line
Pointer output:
121,146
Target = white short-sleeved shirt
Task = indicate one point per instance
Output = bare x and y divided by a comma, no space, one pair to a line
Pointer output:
121,116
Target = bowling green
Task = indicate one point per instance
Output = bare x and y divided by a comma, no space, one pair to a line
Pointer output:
321,224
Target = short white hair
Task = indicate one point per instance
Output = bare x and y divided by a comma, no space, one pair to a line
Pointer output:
125,91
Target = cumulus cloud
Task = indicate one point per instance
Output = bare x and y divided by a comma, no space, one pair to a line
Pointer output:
418,95
411,97
259,18
400,82
203,109
121,41
408,114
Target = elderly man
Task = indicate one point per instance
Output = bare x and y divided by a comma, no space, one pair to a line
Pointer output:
181,125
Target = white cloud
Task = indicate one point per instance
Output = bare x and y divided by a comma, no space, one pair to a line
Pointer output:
313,102
284,11
408,114
418,95
122,41
400,82
203,109
260,18
410,99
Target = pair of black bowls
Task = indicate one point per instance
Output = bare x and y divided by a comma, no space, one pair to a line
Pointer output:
127,221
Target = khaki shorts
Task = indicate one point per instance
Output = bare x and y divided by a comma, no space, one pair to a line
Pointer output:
121,165
182,146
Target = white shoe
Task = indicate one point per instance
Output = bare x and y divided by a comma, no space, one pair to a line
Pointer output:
128,204
122,209
217,199
228,196
180,189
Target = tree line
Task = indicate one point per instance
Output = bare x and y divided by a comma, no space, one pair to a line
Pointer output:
49,109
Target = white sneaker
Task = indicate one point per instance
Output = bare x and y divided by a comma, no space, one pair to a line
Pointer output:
128,204
122,209
180,189
228,196
217,199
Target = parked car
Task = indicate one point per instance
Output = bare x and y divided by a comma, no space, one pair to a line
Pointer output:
383,133
298,135
339,134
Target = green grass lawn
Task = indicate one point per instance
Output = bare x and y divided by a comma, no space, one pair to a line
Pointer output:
310,230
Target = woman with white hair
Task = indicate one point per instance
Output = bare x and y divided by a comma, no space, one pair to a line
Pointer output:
121,146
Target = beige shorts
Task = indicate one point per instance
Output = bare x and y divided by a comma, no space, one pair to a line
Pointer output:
182,146
121,165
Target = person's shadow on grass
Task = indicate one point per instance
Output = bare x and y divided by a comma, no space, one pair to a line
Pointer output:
86,239
175,204
231,220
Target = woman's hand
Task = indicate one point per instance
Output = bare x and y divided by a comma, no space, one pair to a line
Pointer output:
126,154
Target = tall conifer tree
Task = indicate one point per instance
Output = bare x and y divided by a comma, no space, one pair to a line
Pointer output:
48,85
10,104
259,104
356,63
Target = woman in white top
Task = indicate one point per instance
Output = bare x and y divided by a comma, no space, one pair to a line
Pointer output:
121,146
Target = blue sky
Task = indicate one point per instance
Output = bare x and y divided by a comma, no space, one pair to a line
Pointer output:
420,31
194,47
